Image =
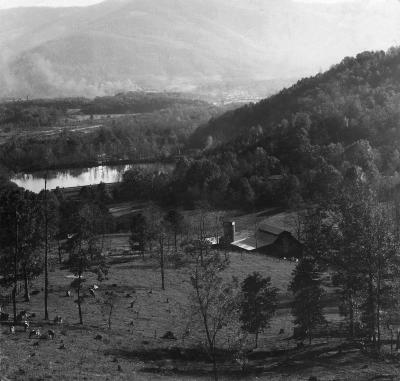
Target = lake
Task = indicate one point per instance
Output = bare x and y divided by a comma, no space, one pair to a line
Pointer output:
82,176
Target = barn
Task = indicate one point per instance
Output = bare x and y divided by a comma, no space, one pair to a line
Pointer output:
268,239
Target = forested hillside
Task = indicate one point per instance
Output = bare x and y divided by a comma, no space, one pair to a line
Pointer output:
357,98
299,143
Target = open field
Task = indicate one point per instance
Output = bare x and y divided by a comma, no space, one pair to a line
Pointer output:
134,349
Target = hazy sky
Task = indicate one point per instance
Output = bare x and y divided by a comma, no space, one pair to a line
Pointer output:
66,3
48,3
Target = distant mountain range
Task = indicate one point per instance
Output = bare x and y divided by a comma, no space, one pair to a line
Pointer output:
217,46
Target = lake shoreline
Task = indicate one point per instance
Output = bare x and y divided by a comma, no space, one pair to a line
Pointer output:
93,164
76,178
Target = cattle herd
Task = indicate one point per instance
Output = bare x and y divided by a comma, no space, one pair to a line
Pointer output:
24,319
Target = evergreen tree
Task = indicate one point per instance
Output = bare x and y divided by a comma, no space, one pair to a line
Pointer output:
307,305
258,304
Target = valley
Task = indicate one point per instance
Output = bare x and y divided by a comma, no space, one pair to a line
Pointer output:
197,190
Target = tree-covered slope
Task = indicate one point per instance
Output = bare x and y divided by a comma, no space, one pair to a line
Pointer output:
301,143
358,98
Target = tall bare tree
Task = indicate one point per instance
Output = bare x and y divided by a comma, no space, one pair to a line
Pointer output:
214,301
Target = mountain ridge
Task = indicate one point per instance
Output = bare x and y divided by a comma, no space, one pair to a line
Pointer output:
174,44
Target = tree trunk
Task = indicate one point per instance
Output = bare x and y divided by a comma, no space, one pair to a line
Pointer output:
26,284
378,304
215,369
351,314
14,299
162,263
176,241
256,340
46,259
79,301
201,253
59,251
14,292
397,340
109,317
102,239
371,311
391,341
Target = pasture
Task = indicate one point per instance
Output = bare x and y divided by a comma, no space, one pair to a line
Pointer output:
134,347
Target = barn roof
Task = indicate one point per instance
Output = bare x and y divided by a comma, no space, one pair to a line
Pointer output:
271,229
251,243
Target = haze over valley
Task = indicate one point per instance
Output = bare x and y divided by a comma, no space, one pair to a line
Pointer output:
218,47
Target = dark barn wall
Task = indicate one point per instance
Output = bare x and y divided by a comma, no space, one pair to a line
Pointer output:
285,246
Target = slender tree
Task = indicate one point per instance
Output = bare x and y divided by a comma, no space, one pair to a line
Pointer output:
84,252
214,301
175,221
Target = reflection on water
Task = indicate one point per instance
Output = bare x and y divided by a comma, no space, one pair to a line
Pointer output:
82,176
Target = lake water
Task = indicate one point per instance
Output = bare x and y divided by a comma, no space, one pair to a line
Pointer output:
82,176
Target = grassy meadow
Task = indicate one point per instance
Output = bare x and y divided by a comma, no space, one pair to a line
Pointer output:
133,349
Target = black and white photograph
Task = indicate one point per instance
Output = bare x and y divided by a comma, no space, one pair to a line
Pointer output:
200,190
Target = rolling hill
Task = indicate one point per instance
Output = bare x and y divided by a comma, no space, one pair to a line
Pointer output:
180,45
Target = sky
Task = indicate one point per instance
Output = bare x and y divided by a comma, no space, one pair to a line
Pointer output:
4,4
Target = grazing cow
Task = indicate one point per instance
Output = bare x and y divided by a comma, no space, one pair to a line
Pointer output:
22,316
95,287
169,336
185,335
26,325
34,333
4,316
58,320
12,329
68,293
51,334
